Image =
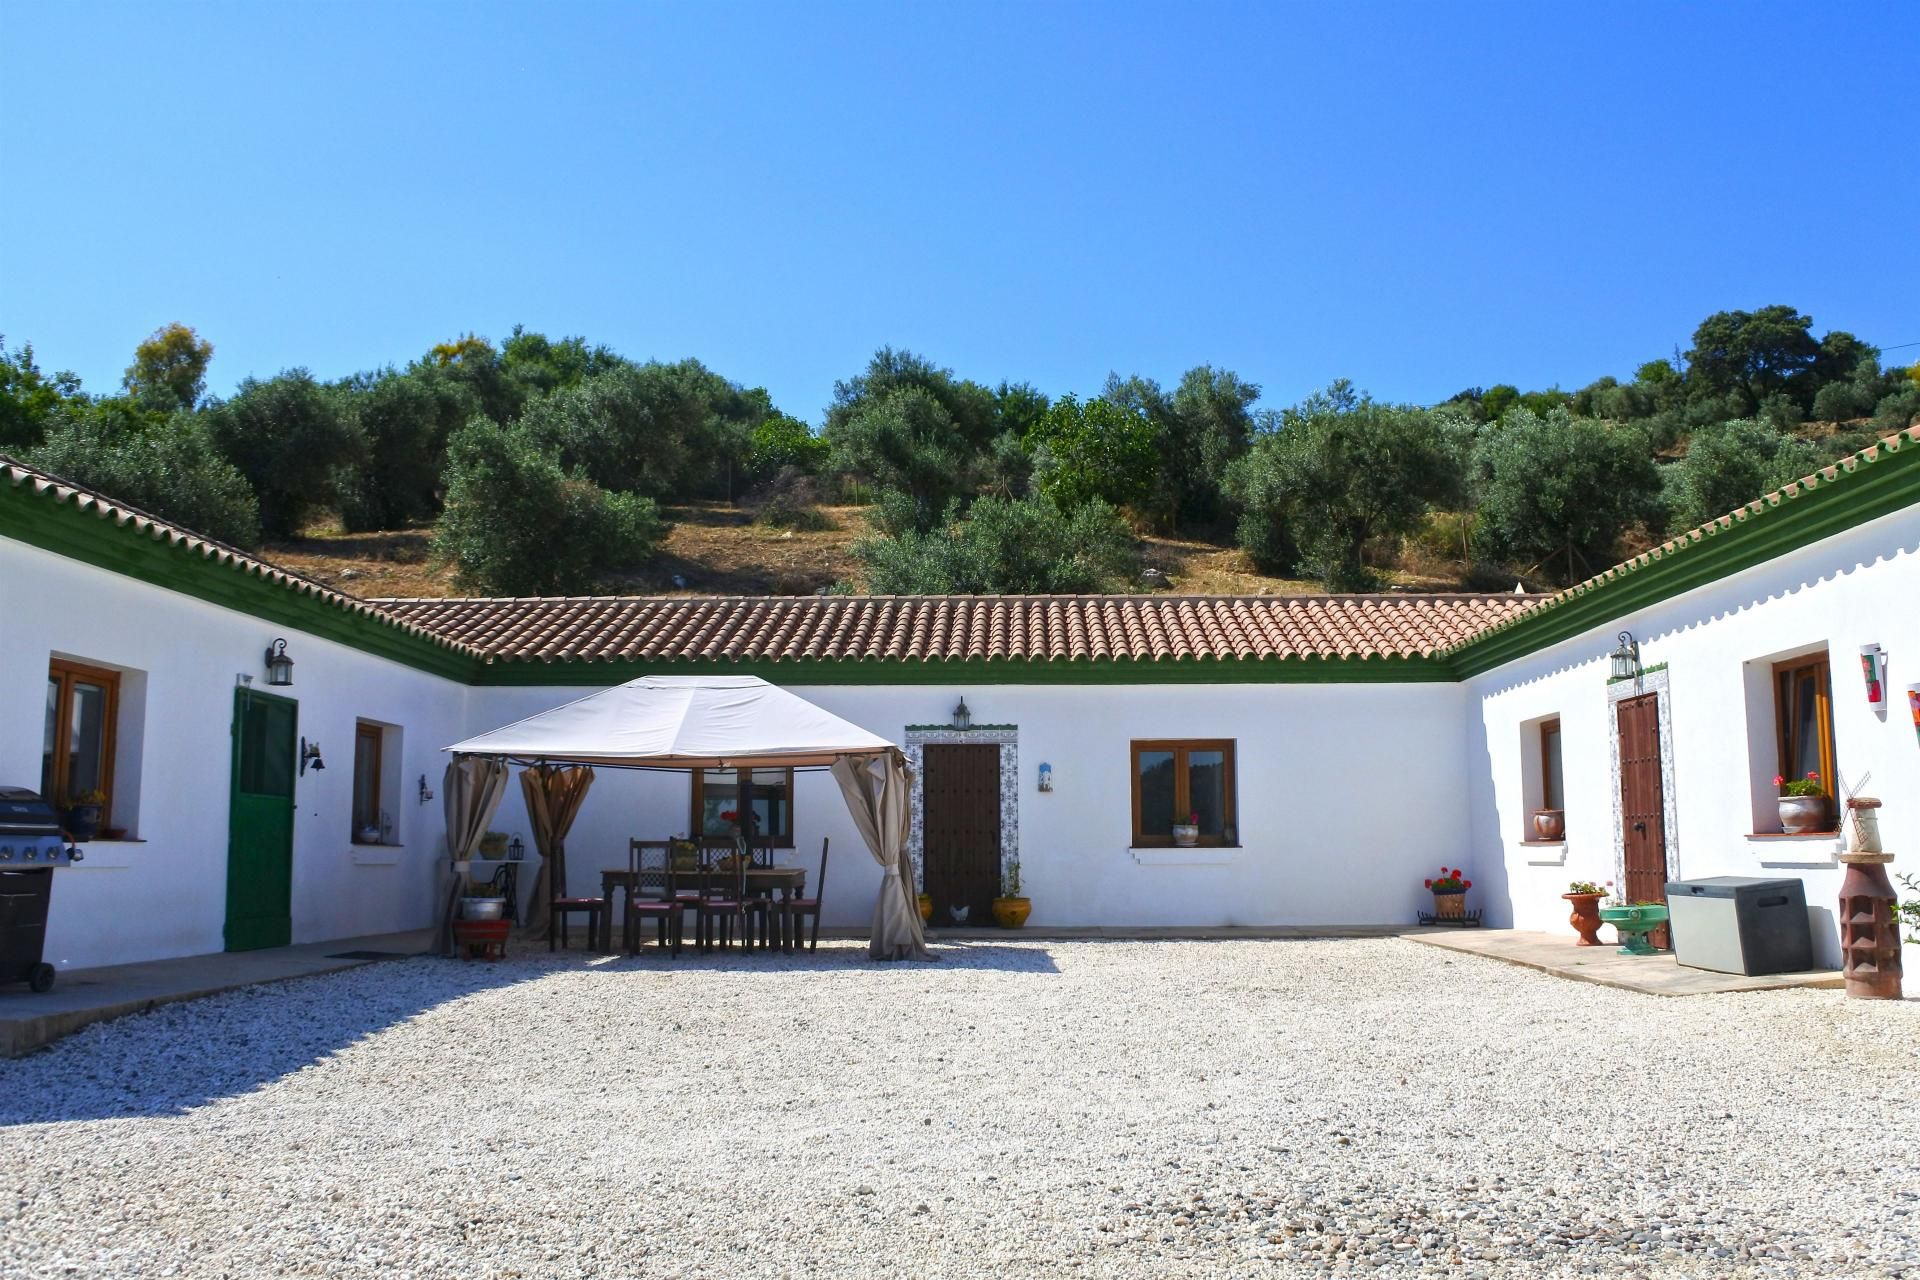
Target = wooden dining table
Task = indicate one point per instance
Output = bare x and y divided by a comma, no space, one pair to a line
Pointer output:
782,884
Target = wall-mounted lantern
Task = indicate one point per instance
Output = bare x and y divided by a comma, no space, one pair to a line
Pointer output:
279,665
1873,665
962,718
1046,776
310,756
1626,658
426,792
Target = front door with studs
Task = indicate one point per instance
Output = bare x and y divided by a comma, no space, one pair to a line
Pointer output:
960,819
1642,805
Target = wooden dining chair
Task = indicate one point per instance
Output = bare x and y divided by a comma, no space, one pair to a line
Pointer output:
651,894
758,899
723,899
810,906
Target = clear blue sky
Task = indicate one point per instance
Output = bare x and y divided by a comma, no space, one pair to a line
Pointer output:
1419,197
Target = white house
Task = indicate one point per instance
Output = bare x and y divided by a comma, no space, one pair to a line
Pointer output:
1335,750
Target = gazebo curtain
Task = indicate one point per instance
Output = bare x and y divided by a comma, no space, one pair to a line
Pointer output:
471,792
876,791
553,794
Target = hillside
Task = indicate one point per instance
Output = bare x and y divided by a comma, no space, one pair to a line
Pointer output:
715,549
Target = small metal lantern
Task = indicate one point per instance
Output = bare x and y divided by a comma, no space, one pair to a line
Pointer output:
962,718
1626,658
516,850
279,665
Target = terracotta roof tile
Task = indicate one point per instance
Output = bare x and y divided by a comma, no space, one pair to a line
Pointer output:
946,628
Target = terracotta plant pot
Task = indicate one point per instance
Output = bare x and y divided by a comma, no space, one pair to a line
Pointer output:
1802,814
1185,835
1450,904
1011,912
1586,917
1549,824
926,906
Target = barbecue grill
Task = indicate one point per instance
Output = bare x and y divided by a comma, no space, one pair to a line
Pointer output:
31,846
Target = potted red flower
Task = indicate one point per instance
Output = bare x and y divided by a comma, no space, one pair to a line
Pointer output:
1187,834
1450,894
1804,804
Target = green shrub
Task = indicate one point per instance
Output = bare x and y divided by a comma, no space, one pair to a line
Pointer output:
790,500
516,523
1005,546
1094,450
1341,472
290,437
1557,492
782,443
170,468
1729,465
404,420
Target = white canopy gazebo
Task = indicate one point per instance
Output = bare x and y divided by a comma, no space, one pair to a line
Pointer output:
686,723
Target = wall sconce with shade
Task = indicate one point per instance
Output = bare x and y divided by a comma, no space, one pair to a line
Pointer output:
279,665
1046,776
1626,658
962,718
426,792
310,755
1873,665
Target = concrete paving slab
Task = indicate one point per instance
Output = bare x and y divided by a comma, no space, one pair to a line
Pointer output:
1656,975
82,996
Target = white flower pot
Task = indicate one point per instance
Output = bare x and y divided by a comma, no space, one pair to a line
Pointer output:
1185,835
1802,814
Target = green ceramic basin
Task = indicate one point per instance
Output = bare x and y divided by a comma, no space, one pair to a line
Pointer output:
1634,923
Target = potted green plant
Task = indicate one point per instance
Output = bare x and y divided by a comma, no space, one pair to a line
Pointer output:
1805,805
1585,896
1010,908
1187,834
1450,894
84,814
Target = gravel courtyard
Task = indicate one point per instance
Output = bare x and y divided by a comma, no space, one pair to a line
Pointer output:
1083,1108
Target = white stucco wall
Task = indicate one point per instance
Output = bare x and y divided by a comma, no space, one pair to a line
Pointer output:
1347,794
164,894
1718,644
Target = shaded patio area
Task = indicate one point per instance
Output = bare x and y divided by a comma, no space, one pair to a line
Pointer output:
1659,975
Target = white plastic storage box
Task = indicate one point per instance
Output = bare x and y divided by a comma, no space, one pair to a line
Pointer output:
1739,924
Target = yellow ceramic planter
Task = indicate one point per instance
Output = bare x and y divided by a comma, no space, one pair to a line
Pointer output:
1011,912
926,906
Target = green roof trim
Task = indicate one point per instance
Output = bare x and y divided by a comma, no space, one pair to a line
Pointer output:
74,523
1875,482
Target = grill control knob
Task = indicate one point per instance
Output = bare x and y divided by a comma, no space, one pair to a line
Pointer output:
6,853
33,854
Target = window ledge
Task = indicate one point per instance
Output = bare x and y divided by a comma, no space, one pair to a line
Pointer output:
1208,856
1809,850
1545,853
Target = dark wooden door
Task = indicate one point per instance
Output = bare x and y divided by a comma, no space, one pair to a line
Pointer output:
961,822
260,834
1642,805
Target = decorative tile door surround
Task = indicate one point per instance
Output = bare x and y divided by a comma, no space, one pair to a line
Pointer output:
1007,738
1656,683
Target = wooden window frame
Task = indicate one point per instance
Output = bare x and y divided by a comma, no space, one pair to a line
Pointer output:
1549,795
698,805
1182,796
378,735
67,672
1783,722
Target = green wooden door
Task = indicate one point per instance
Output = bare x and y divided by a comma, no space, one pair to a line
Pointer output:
260,822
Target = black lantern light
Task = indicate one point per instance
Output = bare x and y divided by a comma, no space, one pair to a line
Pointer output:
962,718
516,850
1626,658
279,665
